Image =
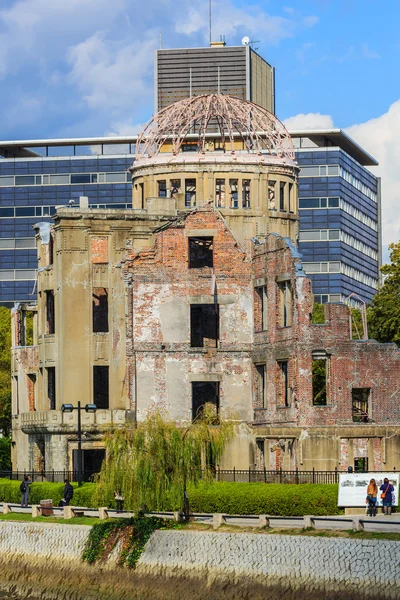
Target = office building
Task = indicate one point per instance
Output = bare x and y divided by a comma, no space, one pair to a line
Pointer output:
230,70
340,222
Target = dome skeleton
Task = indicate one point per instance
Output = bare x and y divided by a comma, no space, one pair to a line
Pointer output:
260,131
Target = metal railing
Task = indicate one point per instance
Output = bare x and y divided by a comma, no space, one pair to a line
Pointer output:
50,476
233,475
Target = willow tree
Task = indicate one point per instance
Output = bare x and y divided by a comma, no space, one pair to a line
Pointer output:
153,462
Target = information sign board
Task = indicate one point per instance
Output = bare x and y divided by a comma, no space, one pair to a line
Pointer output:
353,487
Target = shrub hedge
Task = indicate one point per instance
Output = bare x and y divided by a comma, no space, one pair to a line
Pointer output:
9,492
260,498
221,497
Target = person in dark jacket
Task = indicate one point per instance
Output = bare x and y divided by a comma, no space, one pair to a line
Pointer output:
24,489
387,495
68,492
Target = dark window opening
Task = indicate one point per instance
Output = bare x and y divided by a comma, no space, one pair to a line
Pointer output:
260,308
50,324
204,392
291,199
360,464
360,399
271,195
91,462
51,387
162,188
141,185
175,187
204,325
190,192
234,193
100,310
246,193
100,387
283,383
51,250
200,252
259,401
282,196
319,380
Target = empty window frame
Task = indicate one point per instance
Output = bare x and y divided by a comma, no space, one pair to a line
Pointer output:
204,325
51,387
101,386
234,193
162,188
271,194
200,252
320,374
283,391
291,198
100,310
175,187
260,453
246,193
204,392
50,320
361,464
360,404
282,185
260,308
285,303
190,192
220,193
259,387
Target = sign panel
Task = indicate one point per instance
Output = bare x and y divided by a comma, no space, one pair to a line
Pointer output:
353,488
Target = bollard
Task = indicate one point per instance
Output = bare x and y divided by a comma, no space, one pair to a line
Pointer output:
103,513
36,511
68,512
178,517
309,522
357,524
218,520
263,521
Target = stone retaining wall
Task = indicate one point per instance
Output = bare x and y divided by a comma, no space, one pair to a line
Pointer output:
43,558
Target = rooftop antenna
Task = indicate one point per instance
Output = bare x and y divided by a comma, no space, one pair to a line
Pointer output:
160,41
252,42
210,17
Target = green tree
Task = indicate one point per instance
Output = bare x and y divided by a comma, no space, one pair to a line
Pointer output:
5,453
384,311
5,371
153,462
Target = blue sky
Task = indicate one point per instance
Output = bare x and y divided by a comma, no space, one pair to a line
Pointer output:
85,67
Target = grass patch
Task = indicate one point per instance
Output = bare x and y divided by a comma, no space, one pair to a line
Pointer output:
27,517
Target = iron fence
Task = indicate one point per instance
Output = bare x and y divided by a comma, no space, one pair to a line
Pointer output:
50,476
234,475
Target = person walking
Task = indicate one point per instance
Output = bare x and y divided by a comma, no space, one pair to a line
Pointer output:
68,492
119,499
387,492
372,495
24,489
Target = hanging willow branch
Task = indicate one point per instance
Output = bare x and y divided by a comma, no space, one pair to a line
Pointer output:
153,462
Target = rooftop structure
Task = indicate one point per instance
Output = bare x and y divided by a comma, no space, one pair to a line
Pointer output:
229,70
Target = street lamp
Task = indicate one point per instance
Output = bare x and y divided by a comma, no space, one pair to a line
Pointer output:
89,408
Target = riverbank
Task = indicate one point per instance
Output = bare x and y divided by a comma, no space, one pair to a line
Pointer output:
44,561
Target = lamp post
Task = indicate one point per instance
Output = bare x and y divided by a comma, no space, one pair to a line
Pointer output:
89,408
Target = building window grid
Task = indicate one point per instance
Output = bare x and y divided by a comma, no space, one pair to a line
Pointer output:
65,179
11,212
318,235
337,170
339,267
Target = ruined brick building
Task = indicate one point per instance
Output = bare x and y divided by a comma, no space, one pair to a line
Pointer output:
198,295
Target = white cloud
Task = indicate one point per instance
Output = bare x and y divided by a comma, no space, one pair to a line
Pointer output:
310,21
368,53
380,137
309,121
111,75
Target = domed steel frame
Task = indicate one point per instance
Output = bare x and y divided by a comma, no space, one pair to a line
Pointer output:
230,117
